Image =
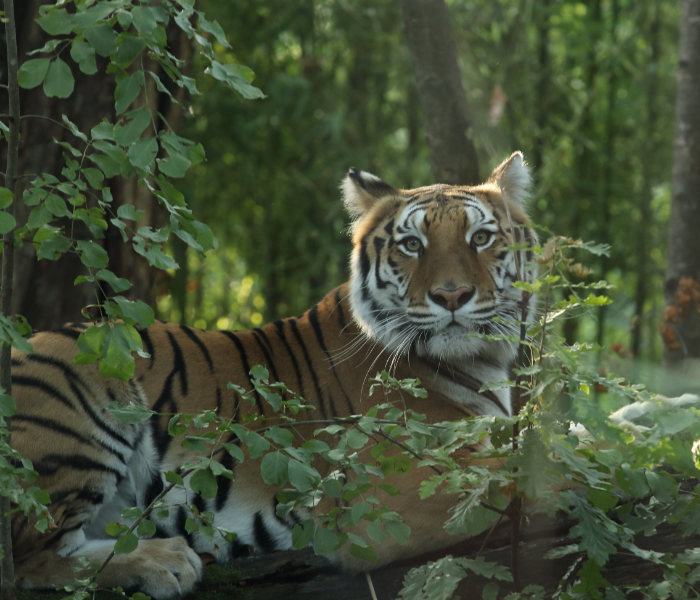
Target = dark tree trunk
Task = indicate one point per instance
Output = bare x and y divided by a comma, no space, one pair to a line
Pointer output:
447,124
44,290
681,327
645,213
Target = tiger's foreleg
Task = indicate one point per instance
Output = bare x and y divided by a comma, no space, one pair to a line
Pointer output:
162,568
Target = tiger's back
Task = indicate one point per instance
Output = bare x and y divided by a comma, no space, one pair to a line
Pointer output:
432,271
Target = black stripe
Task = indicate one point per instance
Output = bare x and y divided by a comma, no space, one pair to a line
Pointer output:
44,387
154,488
74,380
263,538
317,387
189,332
246,365
69,332
364,267
199,503
378,245
50,463
67,431
180,522
469,382
148,346
339,310
223,484
179,365
279,325
165,404
313,319
260,338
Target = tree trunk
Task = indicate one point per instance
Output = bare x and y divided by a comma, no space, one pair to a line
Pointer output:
447,124
681,327
642,270
44,290
7,573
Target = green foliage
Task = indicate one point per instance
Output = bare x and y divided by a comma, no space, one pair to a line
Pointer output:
127,38
581,88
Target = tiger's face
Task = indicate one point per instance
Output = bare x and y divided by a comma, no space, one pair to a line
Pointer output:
433,267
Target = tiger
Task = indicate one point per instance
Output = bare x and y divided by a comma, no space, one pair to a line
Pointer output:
431,296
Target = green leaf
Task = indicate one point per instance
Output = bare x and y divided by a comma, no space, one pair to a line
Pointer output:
7,222
144,19
84,55
94,177
56,206
359,510
118,284
274,468
303,533
483,568
54,20
146,528
143,152
59,82
6,197
129,47
50,243
325,541
33,72
366,552
132,125
126,544
135,310
203,482
38,217
7,405
91,254
356,439
117,360
130,414
280,436
129,212
102,38
127,91
114,529
236,77
173,477
131,513
302,476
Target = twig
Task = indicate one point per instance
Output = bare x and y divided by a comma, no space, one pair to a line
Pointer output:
148,510
372,593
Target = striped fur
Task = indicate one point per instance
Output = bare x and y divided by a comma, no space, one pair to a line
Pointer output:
431,267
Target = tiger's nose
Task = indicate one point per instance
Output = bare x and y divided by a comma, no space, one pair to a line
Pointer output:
452,299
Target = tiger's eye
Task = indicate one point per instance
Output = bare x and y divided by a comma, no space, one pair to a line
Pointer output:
481,237
412,244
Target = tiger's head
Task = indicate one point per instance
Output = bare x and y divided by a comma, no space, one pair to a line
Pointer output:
433,267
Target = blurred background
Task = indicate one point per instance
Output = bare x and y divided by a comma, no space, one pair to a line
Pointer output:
585,89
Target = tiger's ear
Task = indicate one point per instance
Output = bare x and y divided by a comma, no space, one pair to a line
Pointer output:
513,177
361,190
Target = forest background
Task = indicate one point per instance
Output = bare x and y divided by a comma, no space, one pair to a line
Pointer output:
584,89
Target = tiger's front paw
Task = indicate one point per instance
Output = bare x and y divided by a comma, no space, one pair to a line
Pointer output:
162,568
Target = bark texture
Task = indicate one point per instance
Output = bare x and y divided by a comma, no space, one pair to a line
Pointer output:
44,290
681,327
447,123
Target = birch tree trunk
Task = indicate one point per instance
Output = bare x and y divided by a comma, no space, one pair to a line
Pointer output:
447,123
681,327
